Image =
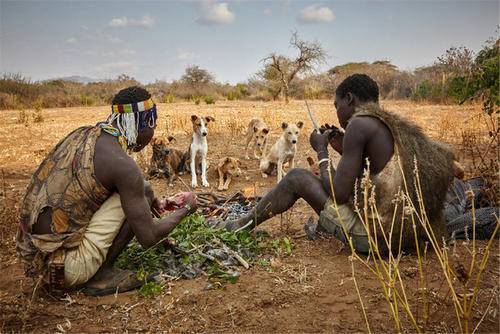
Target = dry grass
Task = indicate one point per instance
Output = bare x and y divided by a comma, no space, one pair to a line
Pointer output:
25,144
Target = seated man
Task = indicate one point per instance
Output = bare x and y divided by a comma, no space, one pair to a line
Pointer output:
380,146
88,198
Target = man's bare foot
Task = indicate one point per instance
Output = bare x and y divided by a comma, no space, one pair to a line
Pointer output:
111,280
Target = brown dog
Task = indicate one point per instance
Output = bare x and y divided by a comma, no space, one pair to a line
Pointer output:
166,162
227,168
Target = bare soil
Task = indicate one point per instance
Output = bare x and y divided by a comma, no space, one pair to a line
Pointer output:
311,290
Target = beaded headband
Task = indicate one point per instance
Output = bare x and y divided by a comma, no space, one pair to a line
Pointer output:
133,107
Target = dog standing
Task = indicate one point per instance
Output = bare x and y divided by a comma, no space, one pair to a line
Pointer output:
198,150
256,136
167,162
282,151
227,168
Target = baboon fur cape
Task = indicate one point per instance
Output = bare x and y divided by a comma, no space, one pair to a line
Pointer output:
414,152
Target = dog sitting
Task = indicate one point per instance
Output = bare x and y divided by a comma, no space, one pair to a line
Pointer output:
166,162
198,149
256,136
227,168
282,151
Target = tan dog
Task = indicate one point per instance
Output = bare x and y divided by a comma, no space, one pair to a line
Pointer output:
256,136
227,168
166,162
282,151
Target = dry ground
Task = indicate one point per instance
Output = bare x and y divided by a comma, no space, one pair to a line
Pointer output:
309,291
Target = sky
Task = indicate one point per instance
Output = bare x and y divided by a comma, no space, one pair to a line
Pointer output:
157,40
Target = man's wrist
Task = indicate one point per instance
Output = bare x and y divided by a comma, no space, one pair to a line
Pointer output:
322,154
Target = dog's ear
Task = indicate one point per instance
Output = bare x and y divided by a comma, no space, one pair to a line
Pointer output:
300,124
310,161
194,118
265,131
171,139
284,125
255,129
209,119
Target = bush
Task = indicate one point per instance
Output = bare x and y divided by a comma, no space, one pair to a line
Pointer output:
427,90
196,100
23,117
209,99
231,96
37,114
169,98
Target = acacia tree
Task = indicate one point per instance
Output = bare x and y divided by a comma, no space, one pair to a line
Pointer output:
195,75
279,70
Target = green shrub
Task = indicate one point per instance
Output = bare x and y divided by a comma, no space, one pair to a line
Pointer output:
232,95
196,100
209,99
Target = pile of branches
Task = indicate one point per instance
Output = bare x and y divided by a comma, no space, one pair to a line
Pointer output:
195,248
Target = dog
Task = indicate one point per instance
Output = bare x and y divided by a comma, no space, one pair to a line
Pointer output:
313,166
282,151
198,149
256,136
227,168
166,162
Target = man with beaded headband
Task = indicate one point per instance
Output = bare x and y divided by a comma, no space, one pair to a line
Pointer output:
87,199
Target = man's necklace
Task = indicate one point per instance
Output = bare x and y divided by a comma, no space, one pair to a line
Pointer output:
109,129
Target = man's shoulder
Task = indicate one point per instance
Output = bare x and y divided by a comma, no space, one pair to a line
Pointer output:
111,157
364,124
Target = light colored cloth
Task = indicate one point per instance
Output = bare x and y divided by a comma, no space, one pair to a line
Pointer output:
332,218
83,261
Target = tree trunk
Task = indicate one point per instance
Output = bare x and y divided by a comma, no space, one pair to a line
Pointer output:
285,92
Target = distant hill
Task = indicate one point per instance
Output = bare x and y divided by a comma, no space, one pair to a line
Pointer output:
80,79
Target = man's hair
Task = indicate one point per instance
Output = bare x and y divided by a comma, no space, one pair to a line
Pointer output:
361,85
131,94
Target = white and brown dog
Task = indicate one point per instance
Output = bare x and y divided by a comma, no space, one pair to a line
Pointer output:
257,132
282,151
197,152
227,168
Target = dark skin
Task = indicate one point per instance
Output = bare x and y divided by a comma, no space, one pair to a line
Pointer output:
364,137
118,172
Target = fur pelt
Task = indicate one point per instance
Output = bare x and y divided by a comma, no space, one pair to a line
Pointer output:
419,156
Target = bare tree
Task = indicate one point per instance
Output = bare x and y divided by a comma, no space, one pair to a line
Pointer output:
279,70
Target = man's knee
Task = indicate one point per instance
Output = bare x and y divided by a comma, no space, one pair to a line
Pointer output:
298,176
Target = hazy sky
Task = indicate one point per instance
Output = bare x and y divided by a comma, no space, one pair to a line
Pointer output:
158,39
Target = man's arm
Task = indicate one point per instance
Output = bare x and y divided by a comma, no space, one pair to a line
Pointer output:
351,162
130,185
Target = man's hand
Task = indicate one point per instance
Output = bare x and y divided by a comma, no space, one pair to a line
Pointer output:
335,136
179,201
191,200
319,141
